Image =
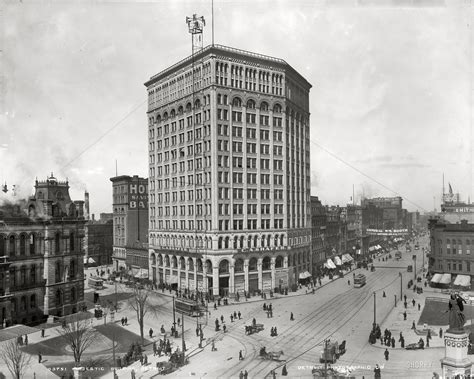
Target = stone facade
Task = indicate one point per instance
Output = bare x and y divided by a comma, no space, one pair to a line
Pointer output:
229,163
41,272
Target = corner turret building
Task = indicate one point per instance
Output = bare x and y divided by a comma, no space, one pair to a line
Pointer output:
229,173
41,267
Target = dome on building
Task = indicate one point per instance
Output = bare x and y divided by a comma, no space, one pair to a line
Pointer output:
52,179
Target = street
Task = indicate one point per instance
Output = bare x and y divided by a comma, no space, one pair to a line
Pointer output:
337,311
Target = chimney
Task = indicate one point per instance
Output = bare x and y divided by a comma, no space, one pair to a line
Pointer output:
86,205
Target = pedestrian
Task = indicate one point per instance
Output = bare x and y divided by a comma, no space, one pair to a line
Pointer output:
275,331
222,319
179,321
224,327
254,322
239,314
402,343
393,342
122,321
246,374
40,357
235,315
126,321
213,346
231,318
241,357
405,304
386,353
404,316
241,375
413,302
42,332
413,326
155,350
405,298
133,373
151,333
284,371
273,374
197,331
291,317
429,334
377,372
26,339
348,282
384,294
419,306
145,360
440,333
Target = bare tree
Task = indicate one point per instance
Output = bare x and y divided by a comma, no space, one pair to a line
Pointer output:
15,358
79,335
140,303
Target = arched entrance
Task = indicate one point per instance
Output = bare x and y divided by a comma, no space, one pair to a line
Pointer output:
224,278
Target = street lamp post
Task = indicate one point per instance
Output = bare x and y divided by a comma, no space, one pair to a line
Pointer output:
401,286
375,323
182,337
174,318
414,271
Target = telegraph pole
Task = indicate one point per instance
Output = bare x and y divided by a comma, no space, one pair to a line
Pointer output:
182,338
374,311
401,286
174,318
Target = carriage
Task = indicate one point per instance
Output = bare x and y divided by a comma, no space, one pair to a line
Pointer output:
251,329
271,355
332,351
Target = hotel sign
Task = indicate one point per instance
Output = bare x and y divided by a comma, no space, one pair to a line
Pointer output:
137,196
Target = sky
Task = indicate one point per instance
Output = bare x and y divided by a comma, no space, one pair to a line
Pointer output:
390,102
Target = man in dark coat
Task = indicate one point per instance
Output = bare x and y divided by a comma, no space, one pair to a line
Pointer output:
386,353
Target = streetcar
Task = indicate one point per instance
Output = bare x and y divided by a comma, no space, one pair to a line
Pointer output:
96,283
188,307
359,280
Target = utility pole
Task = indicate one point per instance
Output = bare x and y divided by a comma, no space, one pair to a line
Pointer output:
112,318
414,271
325,358
374,311
401,286
182,338
174,318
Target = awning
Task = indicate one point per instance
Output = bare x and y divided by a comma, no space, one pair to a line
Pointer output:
90,260
338,261
371,248
173,279
378,247
446,279
304,275
436,278
463,281
330,263
346,258
141,275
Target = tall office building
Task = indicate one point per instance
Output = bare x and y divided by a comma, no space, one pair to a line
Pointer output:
229,162
130,218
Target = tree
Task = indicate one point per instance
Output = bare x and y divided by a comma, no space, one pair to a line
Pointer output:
15,358
140,303
78,335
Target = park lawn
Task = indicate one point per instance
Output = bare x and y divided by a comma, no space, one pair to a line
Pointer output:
434,312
